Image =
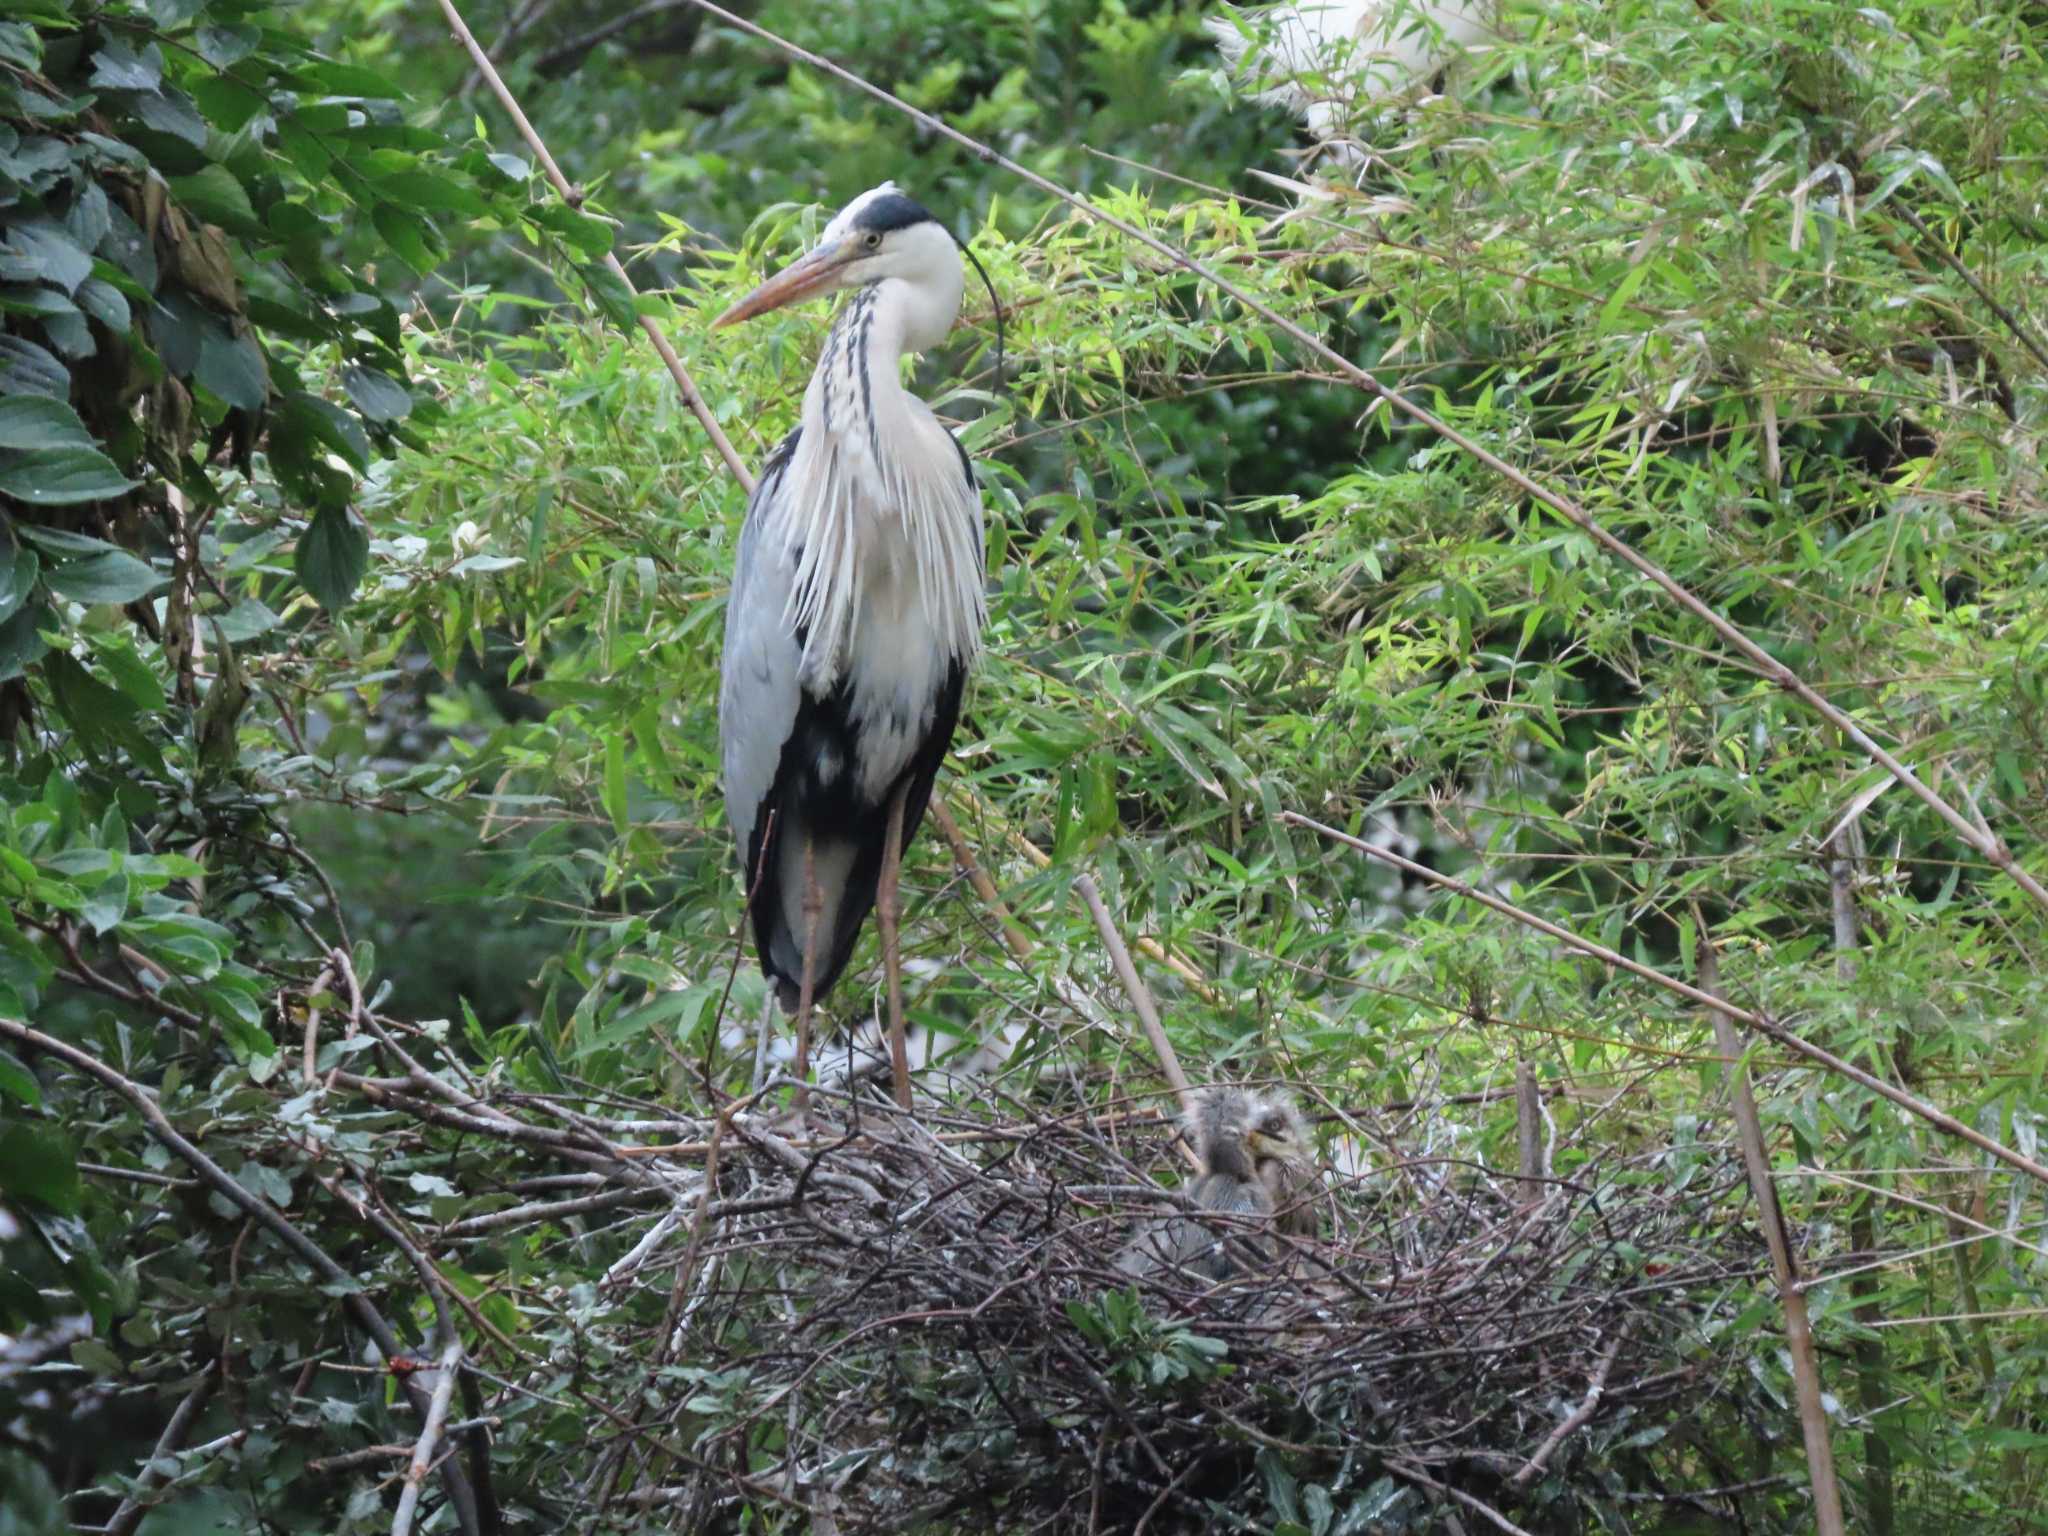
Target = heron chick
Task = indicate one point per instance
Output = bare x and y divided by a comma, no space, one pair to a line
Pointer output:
1256,1167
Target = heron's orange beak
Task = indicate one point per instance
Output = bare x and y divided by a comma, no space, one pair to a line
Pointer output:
807,275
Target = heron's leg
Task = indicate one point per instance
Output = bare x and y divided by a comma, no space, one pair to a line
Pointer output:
889,913
814,906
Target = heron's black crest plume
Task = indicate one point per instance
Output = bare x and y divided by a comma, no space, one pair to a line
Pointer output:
995,304
892,210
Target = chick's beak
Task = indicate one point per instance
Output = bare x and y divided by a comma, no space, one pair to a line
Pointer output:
807,275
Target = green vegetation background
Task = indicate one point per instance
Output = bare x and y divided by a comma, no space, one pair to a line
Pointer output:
420,656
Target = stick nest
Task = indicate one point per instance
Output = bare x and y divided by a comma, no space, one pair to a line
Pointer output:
887,1323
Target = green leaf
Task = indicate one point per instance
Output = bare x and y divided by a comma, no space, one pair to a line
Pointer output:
61,477
117,67
246,620
44,251
610,293
330,424
411,235
17,1082
216,196
39,421
422,189
615,783
331,556
107,904
26,368
377,395
21,639
114,577
36,1164
19,568
105,303
232,367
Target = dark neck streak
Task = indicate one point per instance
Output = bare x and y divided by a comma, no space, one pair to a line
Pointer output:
847,349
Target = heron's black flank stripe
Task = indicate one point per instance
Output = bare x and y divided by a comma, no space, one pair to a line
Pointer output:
804,805
892,210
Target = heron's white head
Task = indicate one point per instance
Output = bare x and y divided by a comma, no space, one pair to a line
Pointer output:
880,237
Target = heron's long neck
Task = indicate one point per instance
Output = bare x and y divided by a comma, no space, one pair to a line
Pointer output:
880,486
862,397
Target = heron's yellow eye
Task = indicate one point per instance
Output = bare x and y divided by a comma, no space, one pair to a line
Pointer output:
872,240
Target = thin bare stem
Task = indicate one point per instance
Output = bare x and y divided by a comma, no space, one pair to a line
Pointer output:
1006,922
1766,664
1954,263
1140,995
1576,1420
889,913
1762,1023
570,195
430,1437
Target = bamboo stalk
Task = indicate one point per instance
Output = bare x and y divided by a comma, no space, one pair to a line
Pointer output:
1806,1383
1140,995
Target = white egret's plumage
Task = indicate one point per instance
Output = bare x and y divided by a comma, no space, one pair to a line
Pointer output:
1329,60
857,602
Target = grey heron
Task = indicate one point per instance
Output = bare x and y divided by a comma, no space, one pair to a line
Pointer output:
856,610
1253,1150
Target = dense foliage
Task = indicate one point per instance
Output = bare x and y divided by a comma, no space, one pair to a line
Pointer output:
360,590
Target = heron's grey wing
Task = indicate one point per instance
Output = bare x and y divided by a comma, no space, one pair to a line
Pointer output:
758,693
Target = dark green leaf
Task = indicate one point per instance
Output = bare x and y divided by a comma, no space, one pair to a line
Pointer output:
20,46
103,301
89,217
21,640
377,395
176,141
107,903
62,541
57,477
26,368
45,250
17,1082
331,557
216,196
69,334
411,235
117,67
127,249
232,367
39,421
610,293
35,1164
224,45
422,189
115,577
330,424
246,620
19,567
